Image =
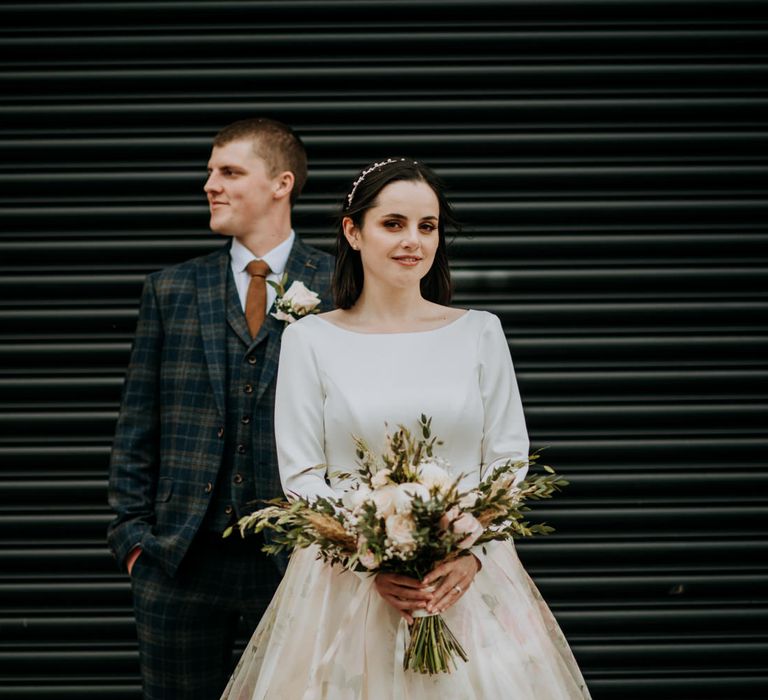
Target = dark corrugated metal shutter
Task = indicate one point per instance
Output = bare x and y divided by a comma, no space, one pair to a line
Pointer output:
607,157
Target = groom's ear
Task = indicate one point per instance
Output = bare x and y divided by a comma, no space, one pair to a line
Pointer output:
283,184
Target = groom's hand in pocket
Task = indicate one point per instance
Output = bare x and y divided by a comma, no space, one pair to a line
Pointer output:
403,593
130,560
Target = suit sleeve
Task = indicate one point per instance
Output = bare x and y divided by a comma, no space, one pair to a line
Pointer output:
299,425
135,450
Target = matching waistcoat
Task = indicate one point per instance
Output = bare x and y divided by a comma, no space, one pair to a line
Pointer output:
249,466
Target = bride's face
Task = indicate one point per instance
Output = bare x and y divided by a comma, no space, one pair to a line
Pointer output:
399,235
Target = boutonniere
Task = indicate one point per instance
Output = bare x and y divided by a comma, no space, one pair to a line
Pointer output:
298,301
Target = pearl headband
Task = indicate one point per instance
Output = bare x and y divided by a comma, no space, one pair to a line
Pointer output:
368,171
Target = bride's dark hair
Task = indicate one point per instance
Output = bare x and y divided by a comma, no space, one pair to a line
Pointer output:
348,275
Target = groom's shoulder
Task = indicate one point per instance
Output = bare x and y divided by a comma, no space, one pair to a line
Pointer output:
188,270
316,257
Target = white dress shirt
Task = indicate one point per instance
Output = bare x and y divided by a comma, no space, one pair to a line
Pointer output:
276,258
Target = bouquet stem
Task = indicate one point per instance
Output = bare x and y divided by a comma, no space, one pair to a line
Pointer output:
433,648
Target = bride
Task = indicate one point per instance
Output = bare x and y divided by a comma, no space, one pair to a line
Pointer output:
392,350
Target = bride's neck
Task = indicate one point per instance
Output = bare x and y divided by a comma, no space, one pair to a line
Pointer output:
389,307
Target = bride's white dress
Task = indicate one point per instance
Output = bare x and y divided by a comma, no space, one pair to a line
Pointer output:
327,632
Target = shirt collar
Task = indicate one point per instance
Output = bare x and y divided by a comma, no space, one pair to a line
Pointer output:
277,258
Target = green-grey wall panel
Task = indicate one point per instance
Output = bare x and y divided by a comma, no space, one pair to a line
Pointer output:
609,159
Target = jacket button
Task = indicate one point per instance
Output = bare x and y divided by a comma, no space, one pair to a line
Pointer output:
238,479
248,388
208,487
251,359
241,449
245,420
220,432
228,510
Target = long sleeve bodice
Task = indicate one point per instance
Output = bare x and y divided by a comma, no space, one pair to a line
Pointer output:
334,383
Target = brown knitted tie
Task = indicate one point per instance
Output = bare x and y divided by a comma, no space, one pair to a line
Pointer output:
256,299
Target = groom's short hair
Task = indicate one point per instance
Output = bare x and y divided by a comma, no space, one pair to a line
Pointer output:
276,143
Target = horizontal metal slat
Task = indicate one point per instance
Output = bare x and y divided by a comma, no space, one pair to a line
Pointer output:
484,12
357,146
435,44
542,387
31,558
441,112
552,318
635,282
311,78
664,180
749,519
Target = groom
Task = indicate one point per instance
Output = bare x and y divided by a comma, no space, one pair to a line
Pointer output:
194,442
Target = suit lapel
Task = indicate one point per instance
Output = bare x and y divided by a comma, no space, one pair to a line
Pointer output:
212,304
301,267
235,315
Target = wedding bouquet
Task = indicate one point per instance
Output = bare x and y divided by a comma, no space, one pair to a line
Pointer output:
405,514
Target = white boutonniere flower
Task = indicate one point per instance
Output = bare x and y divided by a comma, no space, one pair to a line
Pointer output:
295,302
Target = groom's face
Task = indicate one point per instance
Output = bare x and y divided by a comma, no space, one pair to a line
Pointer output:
239,188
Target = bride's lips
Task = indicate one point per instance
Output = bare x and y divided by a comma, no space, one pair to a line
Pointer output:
407,260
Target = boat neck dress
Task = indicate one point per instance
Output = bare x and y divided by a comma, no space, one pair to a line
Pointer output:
327,633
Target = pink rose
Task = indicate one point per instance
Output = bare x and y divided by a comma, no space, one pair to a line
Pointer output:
400,530
366,557
448,517
462,524
385,499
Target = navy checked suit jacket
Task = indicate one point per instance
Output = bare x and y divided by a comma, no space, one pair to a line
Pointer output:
168,442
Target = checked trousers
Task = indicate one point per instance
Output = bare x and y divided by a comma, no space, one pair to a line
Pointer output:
187,625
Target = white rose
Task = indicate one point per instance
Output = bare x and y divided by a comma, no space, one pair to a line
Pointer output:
302,300
406,493
400,530
380,478
385,499
282,316
355,497
432,475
